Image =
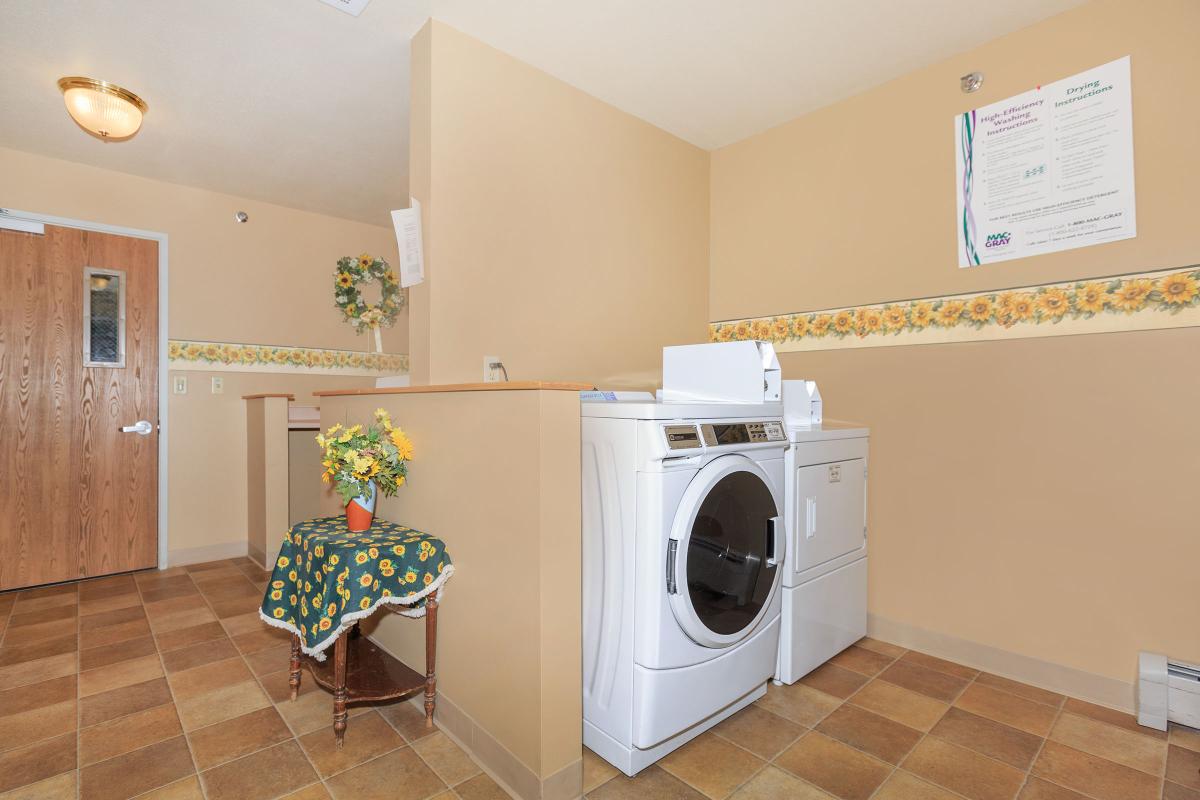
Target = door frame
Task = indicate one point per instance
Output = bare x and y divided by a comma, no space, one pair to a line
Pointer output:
163,378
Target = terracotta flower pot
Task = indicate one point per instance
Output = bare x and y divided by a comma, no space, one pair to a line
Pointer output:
361,510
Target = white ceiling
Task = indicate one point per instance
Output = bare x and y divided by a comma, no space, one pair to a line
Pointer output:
294,102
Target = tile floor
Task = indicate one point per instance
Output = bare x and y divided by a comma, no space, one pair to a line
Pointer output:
885,723
167,685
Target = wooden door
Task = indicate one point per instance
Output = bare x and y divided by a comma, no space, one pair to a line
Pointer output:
78,496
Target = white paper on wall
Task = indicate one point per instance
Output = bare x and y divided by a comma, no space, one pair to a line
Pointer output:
407,222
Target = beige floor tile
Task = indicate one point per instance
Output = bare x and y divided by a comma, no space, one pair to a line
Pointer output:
234,738
60,787
105,619
761,732
402,716
861,660
972,775
104,655
318,791
261,639
36,762
906,786
909,708
1038,789
174,605
32,634
481,787
878,736
128,733
773,783
186,789
102,707
112,634
399,775
262,775
36,724
834,680
273,659
197,655
1017,712
37,695
1119,718
133,773
1108,741
652,783
929,682
243,623
182,619
16,654
43,669
221,704
445,758
368,737
42,617
1183,767
799,703
279,687
712,765
596,770
835,767
1092,775
185,637
993,739
1173,791
1185,737
210,677
1033,693
123,673
939,664
24,606
885,648
99,606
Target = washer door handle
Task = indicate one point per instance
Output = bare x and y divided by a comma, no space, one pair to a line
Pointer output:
776,541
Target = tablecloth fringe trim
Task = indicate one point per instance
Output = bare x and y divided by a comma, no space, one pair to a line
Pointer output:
350,619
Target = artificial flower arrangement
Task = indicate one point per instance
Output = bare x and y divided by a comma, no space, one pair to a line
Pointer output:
364,269
359,462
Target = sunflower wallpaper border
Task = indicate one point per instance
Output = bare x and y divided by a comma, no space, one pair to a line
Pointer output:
1136,301
233,357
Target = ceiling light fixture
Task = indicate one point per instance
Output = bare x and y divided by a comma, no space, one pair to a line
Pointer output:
101,108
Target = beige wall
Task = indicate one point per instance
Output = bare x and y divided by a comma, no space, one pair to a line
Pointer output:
563,235
268,281
1033,495
497,476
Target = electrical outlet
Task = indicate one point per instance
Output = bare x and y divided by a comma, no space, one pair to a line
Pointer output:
835,473
491,374
218,385
179,386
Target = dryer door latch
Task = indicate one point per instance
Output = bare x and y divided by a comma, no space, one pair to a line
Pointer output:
672,548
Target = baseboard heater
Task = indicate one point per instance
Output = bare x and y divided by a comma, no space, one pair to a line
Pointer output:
1168,691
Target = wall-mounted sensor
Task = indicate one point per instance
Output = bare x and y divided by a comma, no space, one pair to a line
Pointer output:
971,82
241,216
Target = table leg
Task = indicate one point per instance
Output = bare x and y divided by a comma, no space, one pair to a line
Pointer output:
339,690
294,674
431,608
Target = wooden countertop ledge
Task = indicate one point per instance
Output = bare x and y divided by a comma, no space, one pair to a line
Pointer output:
498,386
266,395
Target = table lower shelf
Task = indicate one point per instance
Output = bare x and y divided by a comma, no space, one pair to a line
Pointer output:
371,674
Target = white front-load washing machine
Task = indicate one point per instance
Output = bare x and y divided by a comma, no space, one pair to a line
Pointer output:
683,551
825,579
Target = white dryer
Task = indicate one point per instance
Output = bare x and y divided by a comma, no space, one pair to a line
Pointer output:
825,580
683,550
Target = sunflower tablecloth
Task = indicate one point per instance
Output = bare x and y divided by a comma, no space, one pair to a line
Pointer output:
327,578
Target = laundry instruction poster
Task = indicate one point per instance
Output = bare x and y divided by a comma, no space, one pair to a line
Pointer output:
1047,170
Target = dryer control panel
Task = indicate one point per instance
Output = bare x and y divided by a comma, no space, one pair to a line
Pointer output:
742,433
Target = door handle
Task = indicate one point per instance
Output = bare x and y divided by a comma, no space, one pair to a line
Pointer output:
776,541
142,427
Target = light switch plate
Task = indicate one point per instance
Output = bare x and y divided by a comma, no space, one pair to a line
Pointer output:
218,385
351,7
179,385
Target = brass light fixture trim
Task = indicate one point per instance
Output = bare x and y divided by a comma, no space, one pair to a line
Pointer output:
103,88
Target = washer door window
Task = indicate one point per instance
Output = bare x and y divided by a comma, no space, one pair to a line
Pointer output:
727,543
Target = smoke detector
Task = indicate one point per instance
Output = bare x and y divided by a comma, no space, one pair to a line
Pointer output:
351,7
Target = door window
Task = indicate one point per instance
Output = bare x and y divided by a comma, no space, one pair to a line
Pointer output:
728,575
103,318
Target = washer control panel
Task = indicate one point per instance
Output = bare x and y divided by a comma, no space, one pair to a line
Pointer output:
715,434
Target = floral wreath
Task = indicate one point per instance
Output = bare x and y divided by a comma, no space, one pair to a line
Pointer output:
362,315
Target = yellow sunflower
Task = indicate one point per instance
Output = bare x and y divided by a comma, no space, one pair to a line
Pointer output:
800,326
725,333
894,318
780,328
741,330
820,325
344,280
404,447
365,261
325,624
868,320
1132,294
1053,302
1178,289
762,329
920,314
980,309
1021,307
843,321
365,579
950,312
